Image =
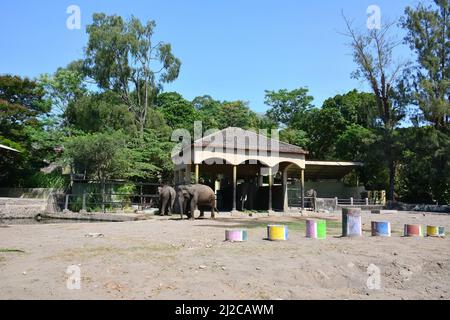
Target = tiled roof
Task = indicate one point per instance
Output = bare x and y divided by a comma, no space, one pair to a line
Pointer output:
237,138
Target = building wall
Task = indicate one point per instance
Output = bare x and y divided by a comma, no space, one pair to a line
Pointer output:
333,188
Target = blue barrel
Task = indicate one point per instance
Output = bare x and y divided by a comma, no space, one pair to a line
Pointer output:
381,229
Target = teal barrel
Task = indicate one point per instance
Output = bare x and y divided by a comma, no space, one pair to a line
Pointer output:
351,222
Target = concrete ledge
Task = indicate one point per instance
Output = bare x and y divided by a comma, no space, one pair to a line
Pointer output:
380,211
108,217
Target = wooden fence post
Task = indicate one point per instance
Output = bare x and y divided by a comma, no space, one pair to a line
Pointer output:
84,201
66,203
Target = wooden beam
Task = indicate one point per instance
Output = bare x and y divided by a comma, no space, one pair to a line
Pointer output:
302,179
234,187
285,191
197,173
270,188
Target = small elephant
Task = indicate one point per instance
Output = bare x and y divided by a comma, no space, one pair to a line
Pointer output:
312,194
192,196
167,197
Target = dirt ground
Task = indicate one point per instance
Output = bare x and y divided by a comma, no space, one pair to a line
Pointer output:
165,258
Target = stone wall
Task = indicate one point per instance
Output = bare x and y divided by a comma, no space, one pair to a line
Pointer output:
333,188
17,208
17,203
28,193
418,207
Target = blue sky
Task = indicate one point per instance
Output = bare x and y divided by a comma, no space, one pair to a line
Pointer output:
230,49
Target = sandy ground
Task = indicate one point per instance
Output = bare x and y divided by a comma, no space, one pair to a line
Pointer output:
171,259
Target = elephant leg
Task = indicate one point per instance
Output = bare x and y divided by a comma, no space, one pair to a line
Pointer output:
163,207
186,208
202,213
213,209
171,204
193,206
192,216
181,205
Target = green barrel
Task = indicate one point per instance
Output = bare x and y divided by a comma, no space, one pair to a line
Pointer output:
321,229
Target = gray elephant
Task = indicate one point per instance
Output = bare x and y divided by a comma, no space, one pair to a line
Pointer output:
247,193
167,197
312,195
191,196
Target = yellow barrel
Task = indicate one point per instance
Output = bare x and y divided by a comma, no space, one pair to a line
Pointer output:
432,231
277,232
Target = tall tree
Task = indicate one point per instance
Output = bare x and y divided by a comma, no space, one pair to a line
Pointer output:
424,172
99,112
178,112
373,53
428,35
286,106
121,56
208,108
323,127
355,107
62,88
236,114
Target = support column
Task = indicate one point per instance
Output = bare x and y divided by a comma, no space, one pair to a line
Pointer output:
197,173
302,179
187,175
234,187
260,179
270,189
285,192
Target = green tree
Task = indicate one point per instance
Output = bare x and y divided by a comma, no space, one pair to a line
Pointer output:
428,34
121,56
178,112
424,172
355,107
152,158
62,88
295,137
236,114
207,108
99,156
358,143
22,105
99,112
323,127
287,106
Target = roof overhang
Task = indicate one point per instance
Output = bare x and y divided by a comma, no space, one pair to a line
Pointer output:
326,170
316,170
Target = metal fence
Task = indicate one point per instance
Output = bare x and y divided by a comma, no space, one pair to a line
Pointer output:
107,201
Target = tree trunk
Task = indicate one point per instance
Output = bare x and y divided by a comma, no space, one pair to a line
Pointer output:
103,195
391,195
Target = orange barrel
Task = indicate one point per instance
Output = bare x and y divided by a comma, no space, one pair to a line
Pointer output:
412,230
